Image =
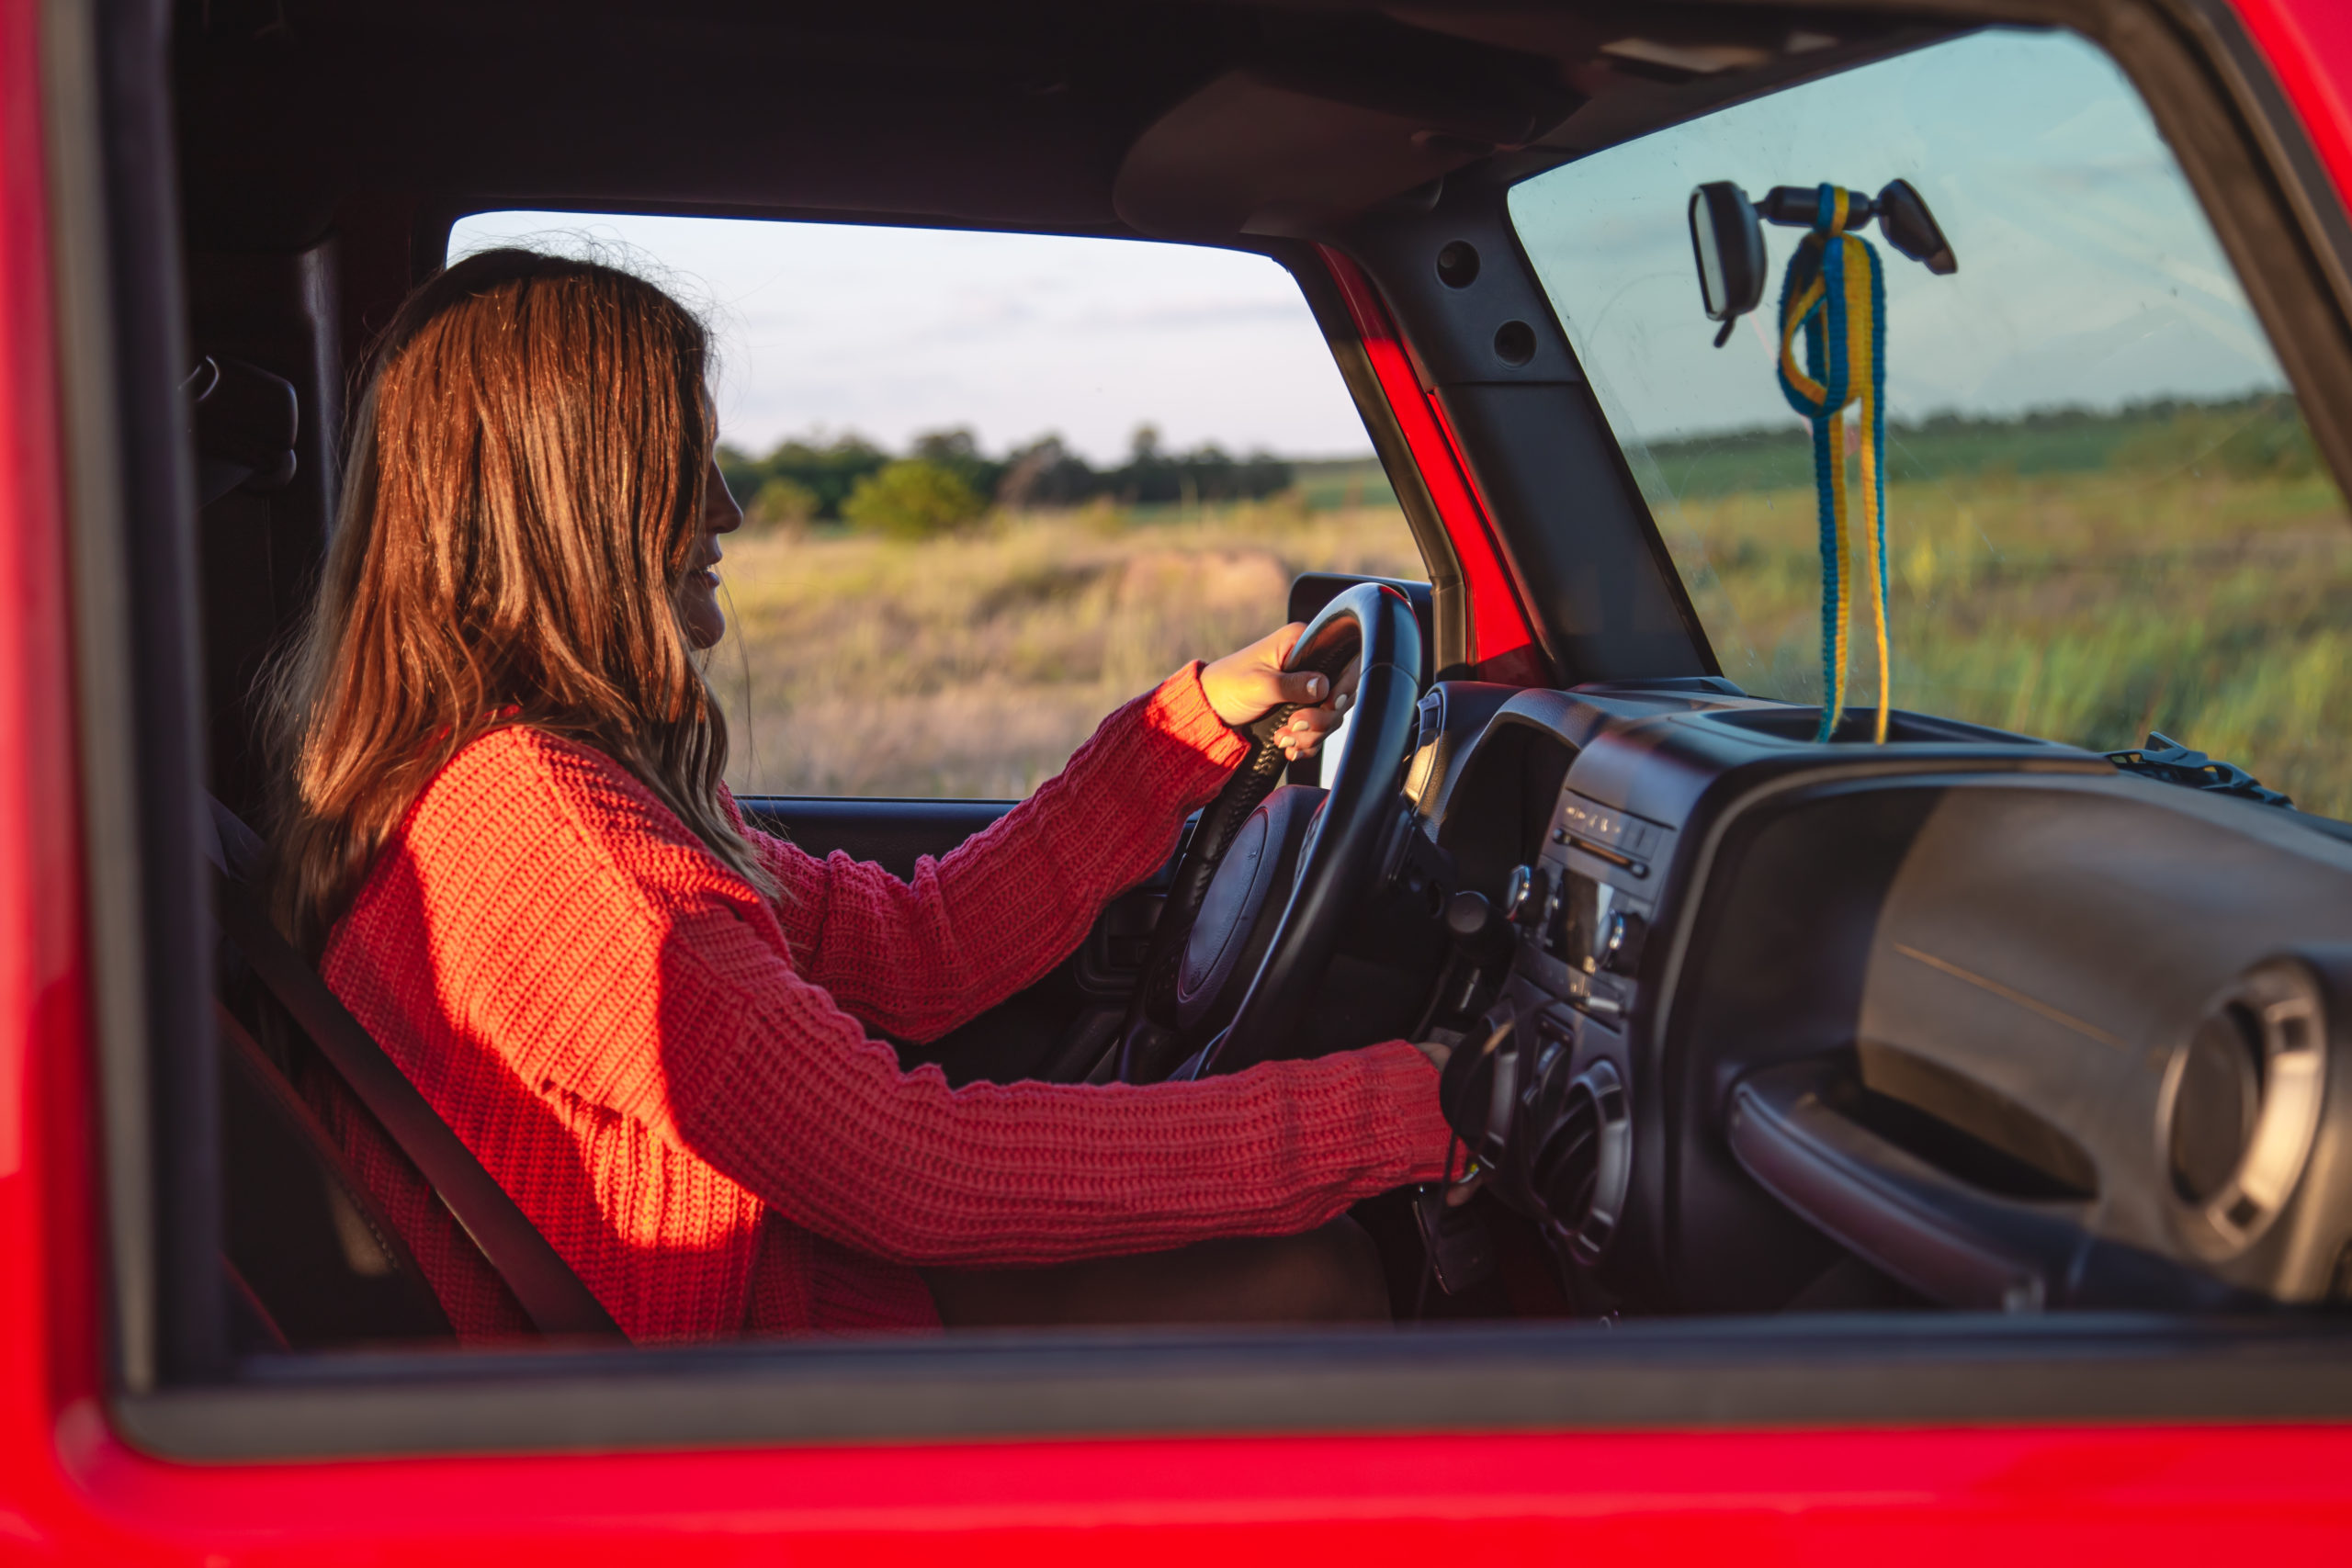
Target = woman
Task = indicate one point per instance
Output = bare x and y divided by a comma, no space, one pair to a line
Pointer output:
507,841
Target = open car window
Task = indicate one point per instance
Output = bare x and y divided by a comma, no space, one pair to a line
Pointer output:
994,484
2105,515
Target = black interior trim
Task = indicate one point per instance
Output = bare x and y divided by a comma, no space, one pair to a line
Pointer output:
892,833
152,641
1448,643
1787,1371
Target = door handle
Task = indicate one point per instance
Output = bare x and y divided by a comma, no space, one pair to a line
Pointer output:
1936,1233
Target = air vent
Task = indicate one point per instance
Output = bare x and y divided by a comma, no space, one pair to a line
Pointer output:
2240,1103
2214,1107
1581,1169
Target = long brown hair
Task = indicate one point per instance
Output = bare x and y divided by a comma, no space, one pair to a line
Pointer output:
522,502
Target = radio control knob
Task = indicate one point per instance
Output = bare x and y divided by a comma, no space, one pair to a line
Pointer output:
1621,944
1467,914
1525,894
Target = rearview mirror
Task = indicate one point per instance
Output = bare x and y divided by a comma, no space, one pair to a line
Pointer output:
1910,227
1728,241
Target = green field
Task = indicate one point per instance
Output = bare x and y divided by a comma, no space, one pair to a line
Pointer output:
2262,435
1329,485
2087,579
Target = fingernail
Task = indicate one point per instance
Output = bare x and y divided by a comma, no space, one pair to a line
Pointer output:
1314,685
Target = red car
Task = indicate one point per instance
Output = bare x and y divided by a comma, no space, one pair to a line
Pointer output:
1911,1123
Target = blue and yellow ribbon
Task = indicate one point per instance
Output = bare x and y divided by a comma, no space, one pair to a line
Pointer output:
1835,296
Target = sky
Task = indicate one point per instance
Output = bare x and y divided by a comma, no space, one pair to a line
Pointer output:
2087,277
888,333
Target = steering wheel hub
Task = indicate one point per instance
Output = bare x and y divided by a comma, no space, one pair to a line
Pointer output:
1229,934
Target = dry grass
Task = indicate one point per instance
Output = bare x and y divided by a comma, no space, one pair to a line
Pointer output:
973,667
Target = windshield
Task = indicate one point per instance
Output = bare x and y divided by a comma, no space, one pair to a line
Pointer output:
2105,514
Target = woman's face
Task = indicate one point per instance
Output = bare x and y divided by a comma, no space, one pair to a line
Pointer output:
698,596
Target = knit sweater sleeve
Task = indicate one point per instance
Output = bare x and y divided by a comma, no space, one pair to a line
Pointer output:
918,957
771,1084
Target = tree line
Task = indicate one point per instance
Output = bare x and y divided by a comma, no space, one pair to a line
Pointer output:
944,480
2257,435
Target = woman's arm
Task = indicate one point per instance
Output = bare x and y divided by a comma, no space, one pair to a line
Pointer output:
770,1082
918,957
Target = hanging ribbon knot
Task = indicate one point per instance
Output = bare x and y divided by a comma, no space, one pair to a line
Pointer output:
1835,296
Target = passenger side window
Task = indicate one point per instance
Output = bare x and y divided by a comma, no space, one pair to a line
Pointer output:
2105,514
994,485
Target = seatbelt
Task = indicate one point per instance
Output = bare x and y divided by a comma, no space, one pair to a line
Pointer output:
551,1294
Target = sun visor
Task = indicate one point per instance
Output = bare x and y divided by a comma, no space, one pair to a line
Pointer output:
1293,145
1245,156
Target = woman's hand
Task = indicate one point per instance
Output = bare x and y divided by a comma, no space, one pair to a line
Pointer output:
1464,1189
1244,686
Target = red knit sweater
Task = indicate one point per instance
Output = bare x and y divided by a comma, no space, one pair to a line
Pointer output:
668,1072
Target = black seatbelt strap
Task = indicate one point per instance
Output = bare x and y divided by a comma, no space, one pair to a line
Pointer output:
553,1296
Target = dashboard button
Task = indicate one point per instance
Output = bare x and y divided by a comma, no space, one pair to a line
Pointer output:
1526,894
1620,944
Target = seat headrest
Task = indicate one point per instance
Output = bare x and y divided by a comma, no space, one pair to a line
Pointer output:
234,849
246,421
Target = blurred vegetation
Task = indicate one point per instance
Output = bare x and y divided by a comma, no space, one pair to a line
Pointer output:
781,503
1344,482
826,469
914,498
1042,474
2243,438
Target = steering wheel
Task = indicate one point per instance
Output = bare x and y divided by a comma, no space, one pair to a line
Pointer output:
1243,936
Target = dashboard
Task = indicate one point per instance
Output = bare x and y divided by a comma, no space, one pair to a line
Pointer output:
1967,1019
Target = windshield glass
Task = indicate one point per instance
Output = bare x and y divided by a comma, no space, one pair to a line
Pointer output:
2105,513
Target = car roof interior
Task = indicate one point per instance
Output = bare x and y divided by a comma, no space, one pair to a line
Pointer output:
1173,119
